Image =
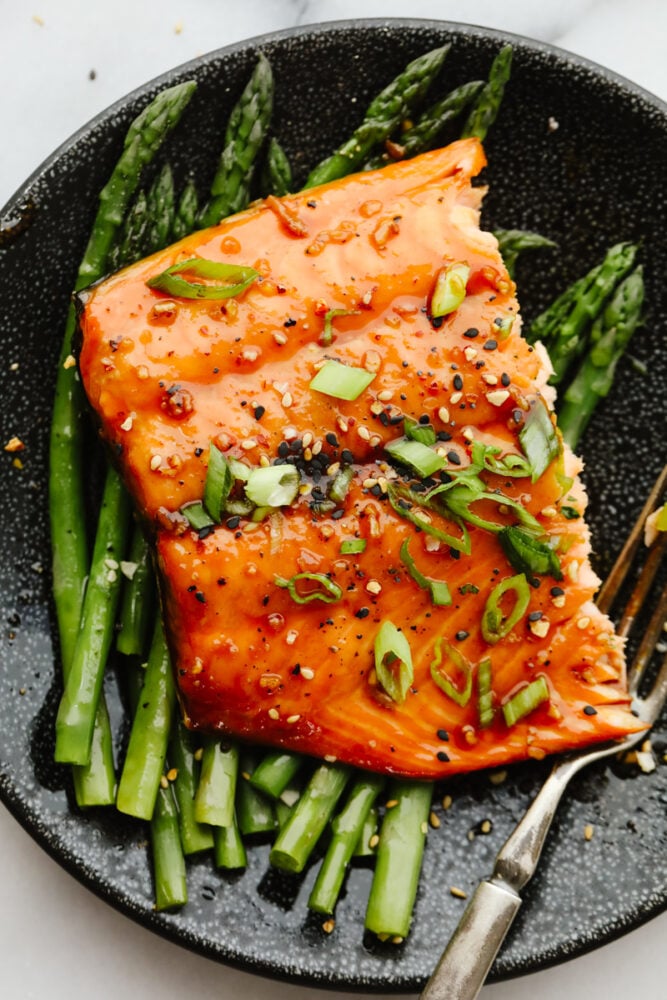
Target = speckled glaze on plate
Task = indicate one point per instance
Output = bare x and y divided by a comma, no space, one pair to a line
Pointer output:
595,179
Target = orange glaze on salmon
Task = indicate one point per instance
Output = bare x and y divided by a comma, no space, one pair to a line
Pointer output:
168,376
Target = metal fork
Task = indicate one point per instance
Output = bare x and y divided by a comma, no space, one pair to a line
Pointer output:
463,968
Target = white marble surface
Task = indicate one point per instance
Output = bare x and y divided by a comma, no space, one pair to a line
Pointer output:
56,939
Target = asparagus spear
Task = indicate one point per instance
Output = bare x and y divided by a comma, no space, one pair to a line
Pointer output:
383,115
229,850
76,714
185,217
168,862
138,598
277,172
610,336
254,812
94,785
147,749
214,801
275,771
345,829
487,105
423,134
399,858
562,326
512,242
195,836
310,815
161,210
244,138
131,239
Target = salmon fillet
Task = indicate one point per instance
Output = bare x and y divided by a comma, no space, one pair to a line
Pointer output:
271,656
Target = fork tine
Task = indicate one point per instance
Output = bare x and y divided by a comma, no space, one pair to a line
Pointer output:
642,586
651,706
648,643
614,581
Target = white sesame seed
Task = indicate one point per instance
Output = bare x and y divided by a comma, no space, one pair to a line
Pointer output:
469,434
250,354
498,397
458,893
290,433
111,563
443,414
342,425
156,462
583,622
385,395
372,361
455,398
264,461
127,423
330,758
377,408
291,637
317,448
142,372
489,378
548,512
375,440
249,444
279,338
281,387
559,601
128,569
287,399
274,713
364,433
540,628
307,673
369,483
470,353
424,827
333,468
374,587
307,439
573,571
112,576
291,719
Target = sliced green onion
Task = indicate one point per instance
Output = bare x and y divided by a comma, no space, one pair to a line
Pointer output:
503,326
484,693
352,546
341,484
239,507
485,456
416,455
393,661
458,500
496,625
398,493
461,695
539,439
341,381
526,700
326,337
438,589
219,482
239,469
528,555
326,590
197,515
450,289
571,513
415,431
273,486
233,279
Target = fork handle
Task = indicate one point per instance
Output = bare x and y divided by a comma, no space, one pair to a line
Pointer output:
465,964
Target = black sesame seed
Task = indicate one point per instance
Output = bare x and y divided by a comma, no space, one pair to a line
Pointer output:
443,436
517,416
337,514
406,364
205,532
437,321
461,635
289,322
200,597
283,449
442,756
192,588
233,522
331,439
505,379
265,600
490,345
471,333
296,446
454,553
221,581
589,710
362,613
384,418
534,616
346,456
556,591
458,382
198,452
259,412
454,457
424,419
311,203
443,735
296,669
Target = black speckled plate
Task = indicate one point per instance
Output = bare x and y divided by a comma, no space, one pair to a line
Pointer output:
596,178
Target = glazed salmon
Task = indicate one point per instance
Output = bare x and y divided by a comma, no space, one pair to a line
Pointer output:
398,575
